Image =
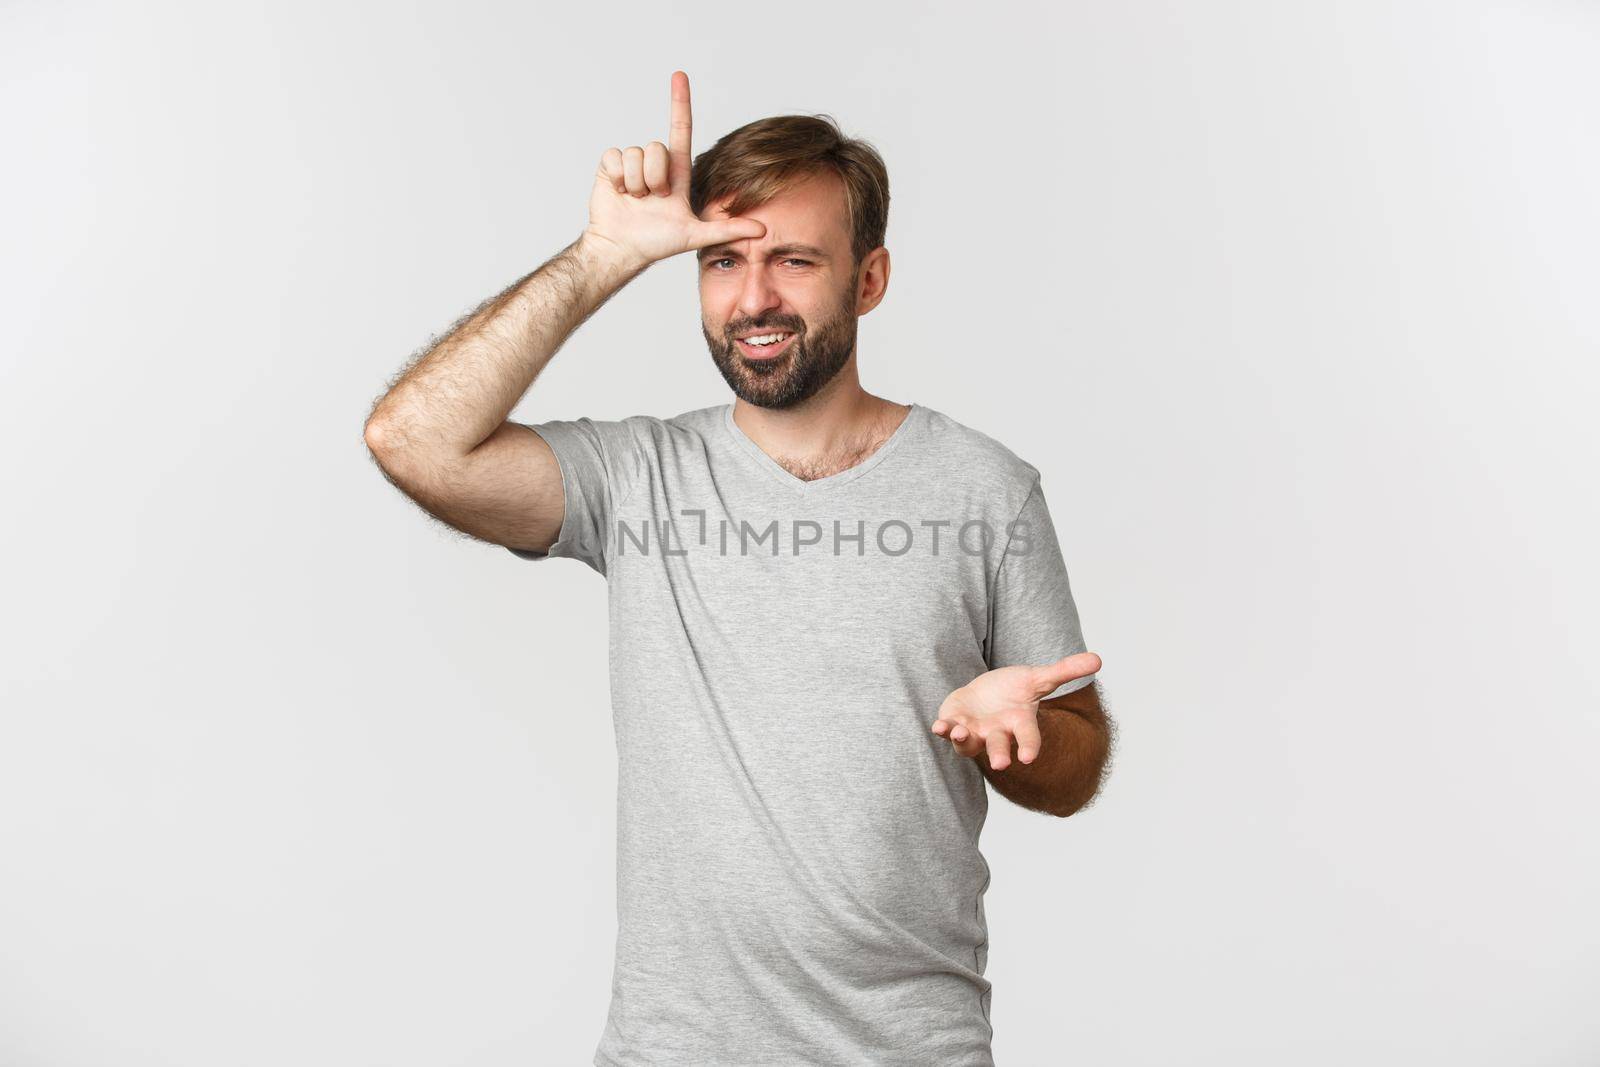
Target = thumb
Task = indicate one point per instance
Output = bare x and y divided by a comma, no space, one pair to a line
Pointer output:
1065,669
734,229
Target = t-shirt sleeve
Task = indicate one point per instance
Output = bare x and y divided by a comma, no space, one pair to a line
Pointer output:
600,461
1033,619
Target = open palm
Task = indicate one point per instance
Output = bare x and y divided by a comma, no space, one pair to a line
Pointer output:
987,712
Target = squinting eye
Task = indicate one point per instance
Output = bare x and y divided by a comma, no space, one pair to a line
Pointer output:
725,259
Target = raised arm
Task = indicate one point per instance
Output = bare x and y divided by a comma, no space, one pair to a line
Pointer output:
441,434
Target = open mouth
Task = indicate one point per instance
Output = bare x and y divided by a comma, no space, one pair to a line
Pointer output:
777,342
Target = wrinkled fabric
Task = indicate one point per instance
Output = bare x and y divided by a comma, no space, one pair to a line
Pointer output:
798,873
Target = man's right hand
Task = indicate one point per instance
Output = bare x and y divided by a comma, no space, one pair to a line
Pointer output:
640,202
442,433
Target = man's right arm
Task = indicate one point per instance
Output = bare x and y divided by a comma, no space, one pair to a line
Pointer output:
441,434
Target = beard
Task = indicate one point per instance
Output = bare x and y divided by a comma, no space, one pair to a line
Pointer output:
811,361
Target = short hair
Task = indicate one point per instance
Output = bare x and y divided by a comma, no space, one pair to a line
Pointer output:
757,161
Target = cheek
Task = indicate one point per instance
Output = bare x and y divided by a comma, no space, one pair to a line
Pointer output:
713,310
718,299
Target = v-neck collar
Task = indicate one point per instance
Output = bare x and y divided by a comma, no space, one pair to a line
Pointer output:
777,472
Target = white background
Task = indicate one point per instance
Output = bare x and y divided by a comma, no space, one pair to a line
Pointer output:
1293,305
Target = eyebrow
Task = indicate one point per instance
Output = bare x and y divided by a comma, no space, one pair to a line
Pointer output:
780,250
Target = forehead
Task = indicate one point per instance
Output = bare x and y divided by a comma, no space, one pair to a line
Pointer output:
812,212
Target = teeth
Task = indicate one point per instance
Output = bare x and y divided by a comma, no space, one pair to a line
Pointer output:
764,339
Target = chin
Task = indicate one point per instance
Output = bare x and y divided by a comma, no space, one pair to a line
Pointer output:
770,401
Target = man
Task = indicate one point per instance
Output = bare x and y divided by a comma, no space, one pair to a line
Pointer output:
832,615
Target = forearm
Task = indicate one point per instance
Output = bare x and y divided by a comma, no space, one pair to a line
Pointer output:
462,390
1075,743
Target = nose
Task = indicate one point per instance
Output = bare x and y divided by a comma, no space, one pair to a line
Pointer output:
758,295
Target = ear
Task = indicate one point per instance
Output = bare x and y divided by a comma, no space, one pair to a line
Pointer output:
872,280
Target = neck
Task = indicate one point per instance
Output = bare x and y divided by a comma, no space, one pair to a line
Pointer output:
842,422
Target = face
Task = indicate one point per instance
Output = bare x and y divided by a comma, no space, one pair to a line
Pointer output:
798,279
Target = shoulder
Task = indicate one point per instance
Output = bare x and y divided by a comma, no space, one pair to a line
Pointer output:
977,458
647,430
696,421
658,434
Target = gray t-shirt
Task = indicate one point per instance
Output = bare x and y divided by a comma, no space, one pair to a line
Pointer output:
798,873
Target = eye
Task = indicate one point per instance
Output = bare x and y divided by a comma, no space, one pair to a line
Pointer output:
714,263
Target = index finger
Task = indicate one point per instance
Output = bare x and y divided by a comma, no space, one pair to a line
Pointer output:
678,158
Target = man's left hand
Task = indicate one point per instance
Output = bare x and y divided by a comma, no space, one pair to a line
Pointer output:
993,708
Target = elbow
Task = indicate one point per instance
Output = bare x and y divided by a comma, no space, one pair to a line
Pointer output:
386,443
381,440
376,434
